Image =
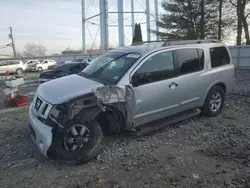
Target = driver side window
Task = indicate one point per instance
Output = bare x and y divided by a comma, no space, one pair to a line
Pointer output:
156,68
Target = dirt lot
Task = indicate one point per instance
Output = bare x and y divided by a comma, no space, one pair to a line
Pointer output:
199,152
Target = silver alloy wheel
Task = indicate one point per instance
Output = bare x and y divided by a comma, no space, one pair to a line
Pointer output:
215,102
19,71
77,136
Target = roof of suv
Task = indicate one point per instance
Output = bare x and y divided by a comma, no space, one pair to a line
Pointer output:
145,47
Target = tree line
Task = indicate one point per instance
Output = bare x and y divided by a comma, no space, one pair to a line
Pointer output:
202,19
32,50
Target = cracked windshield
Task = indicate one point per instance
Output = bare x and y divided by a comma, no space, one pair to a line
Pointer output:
125,94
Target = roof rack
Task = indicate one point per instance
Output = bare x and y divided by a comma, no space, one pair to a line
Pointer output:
184,42
146,42
177,42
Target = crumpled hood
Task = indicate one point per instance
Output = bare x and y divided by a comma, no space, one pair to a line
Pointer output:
63,89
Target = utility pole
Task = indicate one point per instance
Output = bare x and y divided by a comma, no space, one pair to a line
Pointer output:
12,42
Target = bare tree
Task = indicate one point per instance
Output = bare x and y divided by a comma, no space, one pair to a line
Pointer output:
240,6
32,50
41,50
220,19
19,54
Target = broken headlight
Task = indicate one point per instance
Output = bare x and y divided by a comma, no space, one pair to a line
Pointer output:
56,115
71,109
110,94
75,108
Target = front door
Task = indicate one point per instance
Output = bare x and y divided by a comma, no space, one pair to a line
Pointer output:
12,66
45,65
154,85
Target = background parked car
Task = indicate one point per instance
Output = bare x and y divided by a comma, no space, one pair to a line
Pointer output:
12,66
29,63
58,64
43,65
86,60
62,70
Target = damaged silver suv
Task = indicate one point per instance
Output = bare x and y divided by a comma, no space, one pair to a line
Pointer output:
127,89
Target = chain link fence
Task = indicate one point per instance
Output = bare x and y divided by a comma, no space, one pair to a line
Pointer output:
57,58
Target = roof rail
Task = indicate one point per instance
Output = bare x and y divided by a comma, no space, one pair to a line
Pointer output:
184,42
177,42
145,42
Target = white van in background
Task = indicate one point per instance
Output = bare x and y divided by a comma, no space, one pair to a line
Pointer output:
12,66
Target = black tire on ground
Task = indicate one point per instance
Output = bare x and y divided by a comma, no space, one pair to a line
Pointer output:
40,69
19,71
89,151
206,109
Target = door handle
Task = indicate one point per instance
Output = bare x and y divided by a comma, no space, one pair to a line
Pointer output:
173,85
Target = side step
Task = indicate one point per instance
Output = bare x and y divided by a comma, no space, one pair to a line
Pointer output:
159,124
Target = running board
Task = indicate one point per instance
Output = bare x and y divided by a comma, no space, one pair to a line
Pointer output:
159,124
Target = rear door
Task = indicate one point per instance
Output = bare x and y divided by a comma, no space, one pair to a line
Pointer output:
13,65
154,87
192,82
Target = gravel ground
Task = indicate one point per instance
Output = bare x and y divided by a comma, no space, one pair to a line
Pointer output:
199,152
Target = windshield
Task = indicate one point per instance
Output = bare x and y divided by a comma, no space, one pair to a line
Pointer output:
110,67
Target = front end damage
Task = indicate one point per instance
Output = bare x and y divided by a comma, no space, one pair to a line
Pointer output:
111,106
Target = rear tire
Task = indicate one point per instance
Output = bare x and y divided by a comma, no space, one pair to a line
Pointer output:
214,102
81,155
40,69
19,71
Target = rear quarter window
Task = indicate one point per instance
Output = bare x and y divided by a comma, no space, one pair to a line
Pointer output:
190,60
219,56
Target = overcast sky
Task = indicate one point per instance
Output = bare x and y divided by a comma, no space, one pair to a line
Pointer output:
57,23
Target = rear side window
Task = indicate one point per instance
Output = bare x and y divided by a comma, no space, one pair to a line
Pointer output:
14,62
219,56
190,60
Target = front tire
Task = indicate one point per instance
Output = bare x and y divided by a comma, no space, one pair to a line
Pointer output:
40,69
68,146
214,102
19,71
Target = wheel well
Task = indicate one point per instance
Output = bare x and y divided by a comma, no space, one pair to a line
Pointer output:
223,86
110,121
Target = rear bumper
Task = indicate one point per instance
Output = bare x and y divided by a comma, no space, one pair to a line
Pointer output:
40,133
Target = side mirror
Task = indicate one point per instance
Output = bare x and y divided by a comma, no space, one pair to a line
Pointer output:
135,80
